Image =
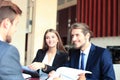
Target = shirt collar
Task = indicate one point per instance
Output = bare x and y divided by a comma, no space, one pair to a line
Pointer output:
1,39
86,51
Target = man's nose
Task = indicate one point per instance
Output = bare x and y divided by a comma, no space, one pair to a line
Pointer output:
73,38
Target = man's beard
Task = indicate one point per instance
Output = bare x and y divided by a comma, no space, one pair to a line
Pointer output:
8,39
81,46
78,47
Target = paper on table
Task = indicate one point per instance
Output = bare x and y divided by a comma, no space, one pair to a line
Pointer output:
26,75
67,73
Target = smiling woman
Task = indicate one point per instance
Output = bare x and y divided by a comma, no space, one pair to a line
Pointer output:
52,56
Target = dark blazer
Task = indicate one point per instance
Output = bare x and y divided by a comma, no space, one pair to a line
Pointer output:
60,59
10,68
99,63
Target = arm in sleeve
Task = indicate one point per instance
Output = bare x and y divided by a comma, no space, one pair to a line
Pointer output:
10,67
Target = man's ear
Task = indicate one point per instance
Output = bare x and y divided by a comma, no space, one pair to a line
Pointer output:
88,35
6,23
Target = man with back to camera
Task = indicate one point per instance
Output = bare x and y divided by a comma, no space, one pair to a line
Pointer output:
10,67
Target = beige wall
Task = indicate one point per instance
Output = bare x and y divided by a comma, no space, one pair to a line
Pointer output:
19,37
44,17
106,41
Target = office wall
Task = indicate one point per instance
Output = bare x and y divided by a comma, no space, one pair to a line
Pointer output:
19,37
106,41
44,17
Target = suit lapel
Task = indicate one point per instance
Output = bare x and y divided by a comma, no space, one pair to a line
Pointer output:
57,58
77,59
90,57
75,54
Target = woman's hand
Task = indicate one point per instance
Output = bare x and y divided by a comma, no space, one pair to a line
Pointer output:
36,66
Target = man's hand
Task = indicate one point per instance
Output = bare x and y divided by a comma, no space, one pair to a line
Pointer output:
82,77
57,78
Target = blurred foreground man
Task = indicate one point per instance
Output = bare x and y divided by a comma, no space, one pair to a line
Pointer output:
10,68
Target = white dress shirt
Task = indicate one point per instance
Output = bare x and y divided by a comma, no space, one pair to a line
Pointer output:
1,39
86,52
43,75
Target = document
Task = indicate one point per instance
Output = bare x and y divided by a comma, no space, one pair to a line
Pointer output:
67,73
26,76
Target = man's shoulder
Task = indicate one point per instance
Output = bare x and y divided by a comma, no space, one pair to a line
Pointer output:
97,47
2,43
5,45
101,50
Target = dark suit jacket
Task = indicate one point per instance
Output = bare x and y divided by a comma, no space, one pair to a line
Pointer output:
10,68
99,63
60,59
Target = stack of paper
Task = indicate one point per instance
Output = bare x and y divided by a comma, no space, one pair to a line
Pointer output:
68,73
26,76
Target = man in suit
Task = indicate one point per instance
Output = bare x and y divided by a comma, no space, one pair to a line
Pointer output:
10,68
96,59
